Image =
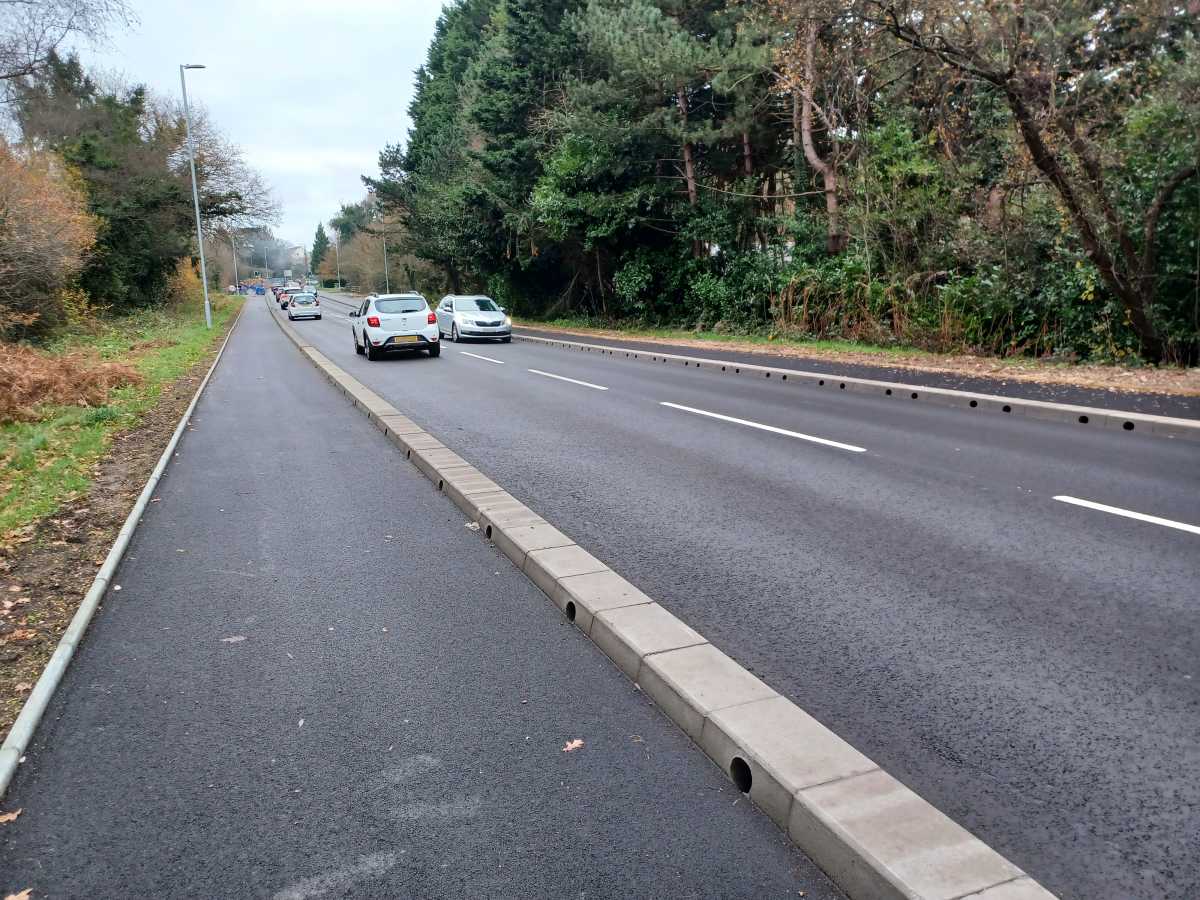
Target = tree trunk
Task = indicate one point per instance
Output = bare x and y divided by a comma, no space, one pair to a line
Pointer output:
835,240
747,159
1133,296
689,167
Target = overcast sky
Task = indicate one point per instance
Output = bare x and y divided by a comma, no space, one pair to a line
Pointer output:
310,89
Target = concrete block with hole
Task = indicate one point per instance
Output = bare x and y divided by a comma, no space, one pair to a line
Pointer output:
398,424
423,441
507,515
784,748
629,634
461,482
546,567
593,593
436,462
691,683
475,505
876,838
517,541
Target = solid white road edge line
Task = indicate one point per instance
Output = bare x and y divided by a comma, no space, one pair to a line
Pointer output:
595,387
770,428
23,728
1128,514
498,362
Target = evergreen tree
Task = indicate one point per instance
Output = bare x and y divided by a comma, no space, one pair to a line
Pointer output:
319,248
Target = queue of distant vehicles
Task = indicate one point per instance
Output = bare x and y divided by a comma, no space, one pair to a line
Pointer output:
389,323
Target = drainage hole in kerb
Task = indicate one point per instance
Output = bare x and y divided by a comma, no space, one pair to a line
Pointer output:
768,374
974,403
821,383
441,483
842,385
722,368
408,454
784,377
888,392
737,371
914,395
570,610
739,771
1083,420
1128,426
1006,408
488,532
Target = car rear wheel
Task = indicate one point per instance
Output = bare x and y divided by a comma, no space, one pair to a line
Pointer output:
368,350
435,349
357,349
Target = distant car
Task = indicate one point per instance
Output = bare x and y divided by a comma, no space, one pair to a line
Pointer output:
384,323
304,306
285,296
472,316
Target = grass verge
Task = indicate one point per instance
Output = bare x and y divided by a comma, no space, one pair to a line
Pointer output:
48,462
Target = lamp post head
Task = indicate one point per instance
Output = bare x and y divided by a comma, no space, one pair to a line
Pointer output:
193,66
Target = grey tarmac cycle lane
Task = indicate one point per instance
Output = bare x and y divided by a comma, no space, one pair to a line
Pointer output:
316,682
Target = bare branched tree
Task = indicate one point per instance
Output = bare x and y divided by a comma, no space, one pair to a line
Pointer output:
32,30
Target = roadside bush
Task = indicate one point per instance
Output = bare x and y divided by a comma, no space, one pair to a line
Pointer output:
33,378
45,235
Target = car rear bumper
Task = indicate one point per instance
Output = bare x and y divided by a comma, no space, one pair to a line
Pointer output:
400,342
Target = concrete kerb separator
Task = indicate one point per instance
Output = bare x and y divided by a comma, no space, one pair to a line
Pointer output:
876,838
22,731
1095,417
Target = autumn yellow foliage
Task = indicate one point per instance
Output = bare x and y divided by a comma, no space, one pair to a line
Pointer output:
45,235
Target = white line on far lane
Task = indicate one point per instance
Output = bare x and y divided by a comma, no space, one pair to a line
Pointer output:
770,428
498,362
595,387
1129,514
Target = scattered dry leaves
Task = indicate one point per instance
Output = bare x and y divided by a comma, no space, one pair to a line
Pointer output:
5,818
572,745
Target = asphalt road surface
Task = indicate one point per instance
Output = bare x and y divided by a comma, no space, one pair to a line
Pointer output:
1127,401
316,682
904,572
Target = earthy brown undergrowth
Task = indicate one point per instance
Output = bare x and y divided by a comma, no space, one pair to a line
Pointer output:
31,378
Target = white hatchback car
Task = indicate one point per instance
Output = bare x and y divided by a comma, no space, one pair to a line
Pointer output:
392,322
302,306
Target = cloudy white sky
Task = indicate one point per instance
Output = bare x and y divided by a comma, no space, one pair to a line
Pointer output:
310,89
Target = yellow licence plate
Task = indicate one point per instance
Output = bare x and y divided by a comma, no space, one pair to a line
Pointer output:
404,339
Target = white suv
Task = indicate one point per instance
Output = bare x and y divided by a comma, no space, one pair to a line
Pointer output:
393,322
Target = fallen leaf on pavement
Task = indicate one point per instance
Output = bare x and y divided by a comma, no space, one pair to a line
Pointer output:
15,588
21,895
233,639
473,526
300,724
23,634
9,817
572,745
21,688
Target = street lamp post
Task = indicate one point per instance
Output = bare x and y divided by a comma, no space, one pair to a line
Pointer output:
387,285
337,257
187,118
237,282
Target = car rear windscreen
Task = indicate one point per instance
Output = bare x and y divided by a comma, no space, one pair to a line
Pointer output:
400,305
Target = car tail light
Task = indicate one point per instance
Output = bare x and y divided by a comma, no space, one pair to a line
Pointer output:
373,321
432,319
